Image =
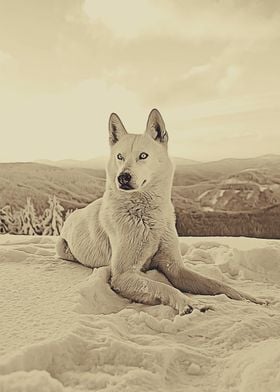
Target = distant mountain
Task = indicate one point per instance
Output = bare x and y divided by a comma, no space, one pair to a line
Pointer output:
95,163
100,163
207,171
243,191
184,161
75,188
188,172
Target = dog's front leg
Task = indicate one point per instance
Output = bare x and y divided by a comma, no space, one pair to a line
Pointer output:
169,261
133,284
137,287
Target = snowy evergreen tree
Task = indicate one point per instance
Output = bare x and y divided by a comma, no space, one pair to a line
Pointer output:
28,220
68,212
6,220
18,221
52,221
3,224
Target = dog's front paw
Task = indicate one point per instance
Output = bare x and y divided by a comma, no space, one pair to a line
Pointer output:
191,306
259,301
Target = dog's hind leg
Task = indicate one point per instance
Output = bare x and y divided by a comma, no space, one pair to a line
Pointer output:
63,251
169,262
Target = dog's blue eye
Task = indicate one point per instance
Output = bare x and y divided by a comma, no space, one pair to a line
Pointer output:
143,155
120,157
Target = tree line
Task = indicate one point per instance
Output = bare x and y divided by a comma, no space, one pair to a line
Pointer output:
189,222
27,221
263,223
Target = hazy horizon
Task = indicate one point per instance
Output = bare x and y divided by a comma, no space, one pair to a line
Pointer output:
212,71
105,157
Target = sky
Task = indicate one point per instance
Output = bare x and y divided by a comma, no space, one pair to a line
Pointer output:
211,67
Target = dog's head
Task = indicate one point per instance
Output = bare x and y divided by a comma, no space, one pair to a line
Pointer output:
138,161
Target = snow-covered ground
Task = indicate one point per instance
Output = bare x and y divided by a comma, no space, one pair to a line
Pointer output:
63,329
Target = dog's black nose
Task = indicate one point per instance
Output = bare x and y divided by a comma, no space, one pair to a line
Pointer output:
124,178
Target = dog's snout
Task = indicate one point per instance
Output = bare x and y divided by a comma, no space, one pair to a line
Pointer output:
124,178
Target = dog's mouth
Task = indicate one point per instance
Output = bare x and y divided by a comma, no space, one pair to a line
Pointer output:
129,187
126,187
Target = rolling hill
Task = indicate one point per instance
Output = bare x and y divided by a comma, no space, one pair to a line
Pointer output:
206,171
243,191
99,163
74,188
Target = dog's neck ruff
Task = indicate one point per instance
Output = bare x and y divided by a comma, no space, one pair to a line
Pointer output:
142,196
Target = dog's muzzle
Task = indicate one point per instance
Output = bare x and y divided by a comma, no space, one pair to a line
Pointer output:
124,181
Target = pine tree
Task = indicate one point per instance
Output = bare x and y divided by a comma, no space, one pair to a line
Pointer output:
28,220
52,221
68,212
4,226
7,220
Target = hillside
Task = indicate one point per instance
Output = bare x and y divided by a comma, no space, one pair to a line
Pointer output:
262,223
192,174
99,163
95,163
243,191
74,187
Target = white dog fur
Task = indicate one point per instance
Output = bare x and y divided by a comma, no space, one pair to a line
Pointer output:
132,228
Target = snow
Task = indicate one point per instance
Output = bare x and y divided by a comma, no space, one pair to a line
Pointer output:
202,195
207,209
64,329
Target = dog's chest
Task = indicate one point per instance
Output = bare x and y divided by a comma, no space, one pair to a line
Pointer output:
130,216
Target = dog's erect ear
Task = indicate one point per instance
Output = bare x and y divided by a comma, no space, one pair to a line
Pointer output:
156,127
116,129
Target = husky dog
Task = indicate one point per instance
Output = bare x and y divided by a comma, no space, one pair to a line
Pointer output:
132,228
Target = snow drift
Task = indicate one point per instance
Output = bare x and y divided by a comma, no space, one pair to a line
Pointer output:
64,329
